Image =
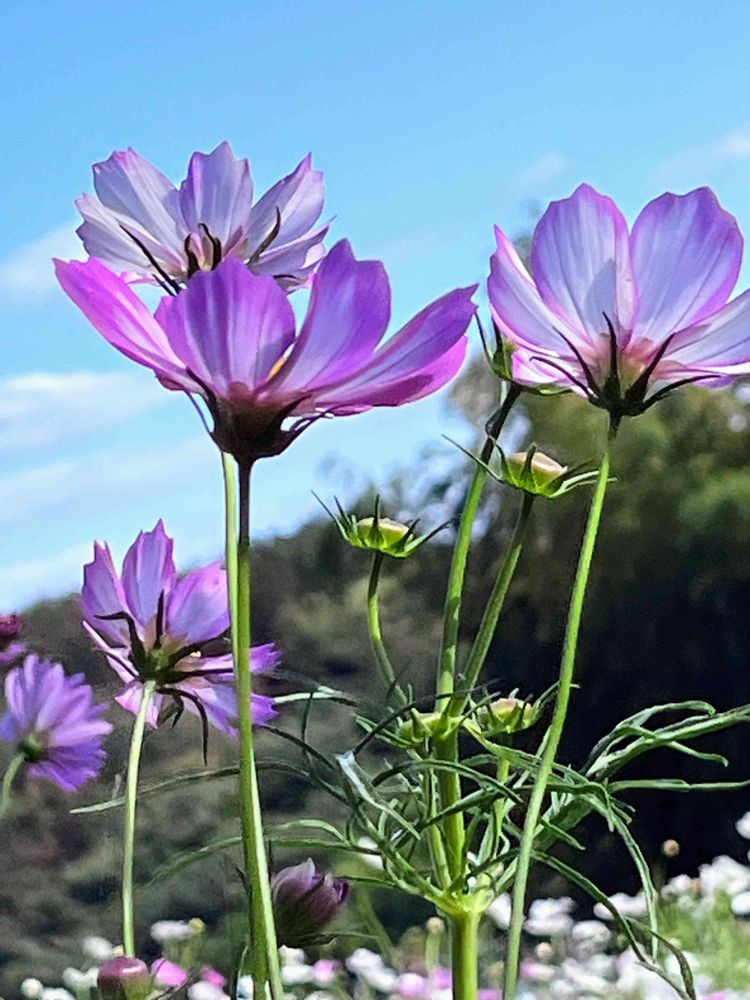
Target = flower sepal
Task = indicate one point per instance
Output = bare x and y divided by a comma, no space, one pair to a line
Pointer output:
504,717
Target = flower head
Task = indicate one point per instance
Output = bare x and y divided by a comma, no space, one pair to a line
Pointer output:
304,902
155,626
53,722
379,534
11,627
230,338
140,223
622,318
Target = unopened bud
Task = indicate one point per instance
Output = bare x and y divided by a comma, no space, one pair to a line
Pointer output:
305,902
124,979
379,534
506,716
420,727
10,630
670,848
539,475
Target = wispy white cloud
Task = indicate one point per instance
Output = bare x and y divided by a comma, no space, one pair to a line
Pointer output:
28,274
42,409
708,156
45,576
107,478
541,171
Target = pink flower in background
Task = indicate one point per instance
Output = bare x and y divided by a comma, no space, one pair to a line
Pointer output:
230,338
140,223
11,627
153,625
621,317
54,724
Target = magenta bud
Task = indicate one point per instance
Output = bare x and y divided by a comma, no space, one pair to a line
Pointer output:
123,978
10,629
305,902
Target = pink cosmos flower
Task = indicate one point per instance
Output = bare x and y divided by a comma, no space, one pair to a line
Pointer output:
230,338
153,626
140,223
621,317
52,720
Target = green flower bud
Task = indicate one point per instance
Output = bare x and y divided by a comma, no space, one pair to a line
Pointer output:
511,715
379,534
420,727
536,473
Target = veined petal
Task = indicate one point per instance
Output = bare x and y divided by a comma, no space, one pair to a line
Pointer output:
418,360
580,259
349,310
113,308
197,608
229,327
297,198
102,595
104,234
130,699
293,263
517,307
545,368
148,571
721,342
686,254
131,186
218,193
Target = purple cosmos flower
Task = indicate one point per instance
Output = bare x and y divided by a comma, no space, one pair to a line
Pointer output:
154,626
10,629
304,902
621,317
230,338
54,723
140,223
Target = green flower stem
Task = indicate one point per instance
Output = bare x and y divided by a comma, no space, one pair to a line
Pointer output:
131,800
265,954
554,734
481,646
10,776
464,935
452,609
373,626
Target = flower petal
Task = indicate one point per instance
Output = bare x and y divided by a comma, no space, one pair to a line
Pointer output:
720,343
130,186
297,199
229,327
197,608
114,309
418,360
103,595
148,571
218,193
517,307
686,254
580,259
348,314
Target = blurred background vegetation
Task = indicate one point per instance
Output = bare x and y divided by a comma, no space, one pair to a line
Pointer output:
666,619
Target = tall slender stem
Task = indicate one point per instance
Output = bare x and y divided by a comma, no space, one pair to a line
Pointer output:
464,929
554,734
265,957
373,626
8,778
483,640
446,747
131,801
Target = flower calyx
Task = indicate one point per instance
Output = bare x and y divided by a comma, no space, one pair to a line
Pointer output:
379,534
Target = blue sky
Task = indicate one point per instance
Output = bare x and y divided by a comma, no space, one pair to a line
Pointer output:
432,121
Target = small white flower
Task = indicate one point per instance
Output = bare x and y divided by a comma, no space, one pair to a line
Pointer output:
741,904
76,980
742,826
362,959
97,949
167,931
31,989
206,991
628,906
680,885
592,933
724,874
55,993
550,917
499,912
371,860
294,974
292,956
245,988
